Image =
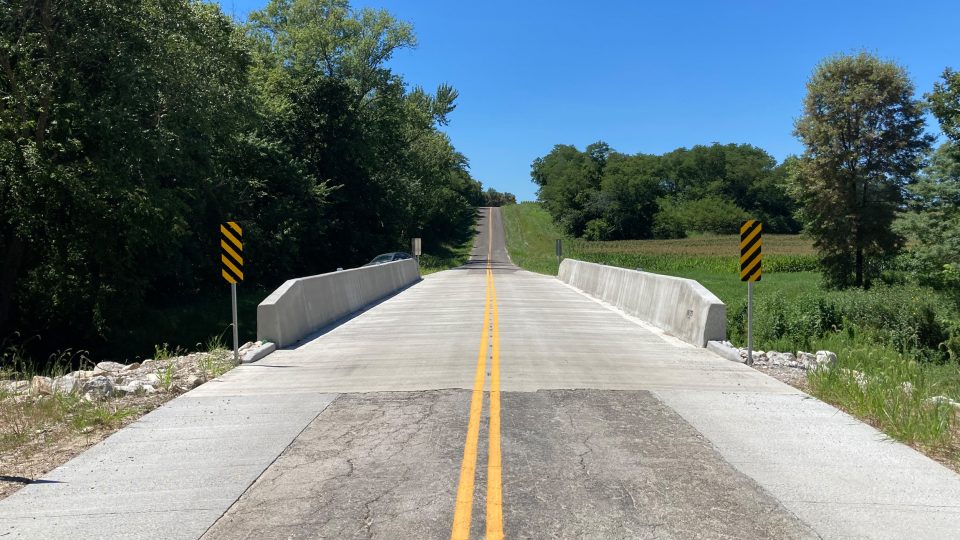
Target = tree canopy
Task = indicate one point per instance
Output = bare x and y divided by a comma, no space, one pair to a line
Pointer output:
601,194
863,131
130,128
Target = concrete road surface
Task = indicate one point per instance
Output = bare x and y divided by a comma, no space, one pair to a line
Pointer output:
491,402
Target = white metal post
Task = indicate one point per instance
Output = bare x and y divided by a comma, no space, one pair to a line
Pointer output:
236,334
750,322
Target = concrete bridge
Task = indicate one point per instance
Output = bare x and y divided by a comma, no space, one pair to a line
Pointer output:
488,401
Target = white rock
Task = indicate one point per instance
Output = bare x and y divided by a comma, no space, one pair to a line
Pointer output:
148,389
806,360
943,400
131,367
148,379
65,385
826,359
14,387
41,386
148,364
97,388
906,387
110,368
193,381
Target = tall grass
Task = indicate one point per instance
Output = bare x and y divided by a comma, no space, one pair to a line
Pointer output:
531,237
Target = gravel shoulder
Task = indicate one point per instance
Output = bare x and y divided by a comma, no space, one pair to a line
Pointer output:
47,421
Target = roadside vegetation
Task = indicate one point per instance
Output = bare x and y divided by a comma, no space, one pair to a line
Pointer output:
45,422
900,337
875,277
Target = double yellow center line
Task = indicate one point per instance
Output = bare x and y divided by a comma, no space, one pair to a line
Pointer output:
489,345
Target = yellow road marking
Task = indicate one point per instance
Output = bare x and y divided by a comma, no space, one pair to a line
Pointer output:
468,469
494,470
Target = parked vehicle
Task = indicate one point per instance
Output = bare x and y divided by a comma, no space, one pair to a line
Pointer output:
389,257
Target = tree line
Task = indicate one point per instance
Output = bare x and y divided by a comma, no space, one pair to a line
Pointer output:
601,194
869,178
129,129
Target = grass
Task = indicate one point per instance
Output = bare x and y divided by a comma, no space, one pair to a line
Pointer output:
892,394
219,358
446,257
892,335
531,237
24,419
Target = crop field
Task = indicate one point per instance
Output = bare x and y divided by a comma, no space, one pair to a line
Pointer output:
707,245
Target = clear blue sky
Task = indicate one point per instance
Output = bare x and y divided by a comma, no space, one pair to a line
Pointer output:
644,76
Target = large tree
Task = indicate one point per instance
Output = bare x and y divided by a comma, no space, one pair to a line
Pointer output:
933,224
569,183
114,120
863,130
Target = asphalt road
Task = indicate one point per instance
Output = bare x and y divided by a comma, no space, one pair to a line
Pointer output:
492,402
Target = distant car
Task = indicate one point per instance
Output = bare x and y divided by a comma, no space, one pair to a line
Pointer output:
389,257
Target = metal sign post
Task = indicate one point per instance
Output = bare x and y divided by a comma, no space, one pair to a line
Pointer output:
236,333
231,257
415,248
751,257
559,251
750,322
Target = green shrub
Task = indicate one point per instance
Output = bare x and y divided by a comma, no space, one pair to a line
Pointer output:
709,214
597,229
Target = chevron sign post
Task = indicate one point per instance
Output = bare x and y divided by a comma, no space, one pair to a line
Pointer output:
751,269
231,259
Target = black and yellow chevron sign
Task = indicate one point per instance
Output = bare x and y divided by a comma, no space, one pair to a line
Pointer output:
231,251
751,251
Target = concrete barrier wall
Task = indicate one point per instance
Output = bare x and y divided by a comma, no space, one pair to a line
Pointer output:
681,307
302,306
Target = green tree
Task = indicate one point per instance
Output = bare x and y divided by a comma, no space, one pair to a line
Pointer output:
630,187
391,175
111,153
746,175
493,197
863,134
945,104
933,222
569,184
933,219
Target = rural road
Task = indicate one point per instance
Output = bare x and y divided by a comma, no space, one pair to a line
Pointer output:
492,402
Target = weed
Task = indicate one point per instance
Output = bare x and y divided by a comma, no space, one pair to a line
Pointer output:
166,375
165,352
16,363
218,358
86,416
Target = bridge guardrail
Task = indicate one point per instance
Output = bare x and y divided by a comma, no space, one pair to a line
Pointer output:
305,305
681,307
